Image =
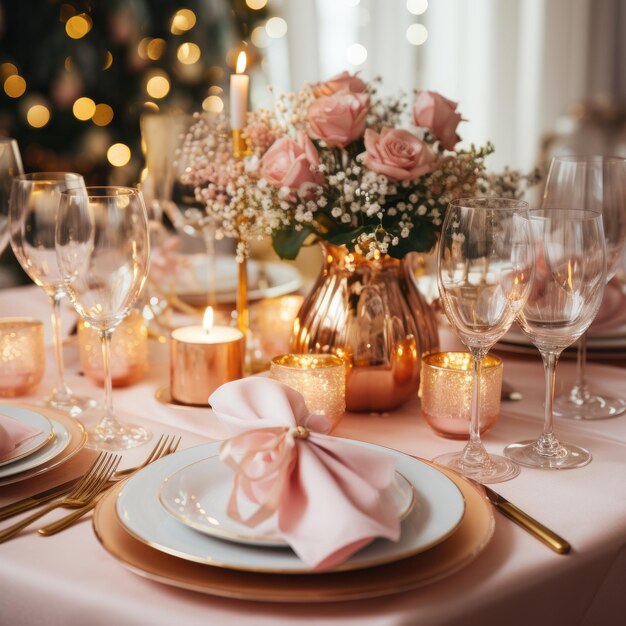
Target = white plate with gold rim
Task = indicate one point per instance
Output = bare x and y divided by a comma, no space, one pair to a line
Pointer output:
439,510
197,496
34,420
52,449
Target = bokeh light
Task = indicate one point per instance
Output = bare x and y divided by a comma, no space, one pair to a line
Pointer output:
276,27
108,60
103,115
78,26
356,54
256,5
416,34
14,86
84,108
8,69
151,107
183,20
38,116
213,104
259,37
188,53
158,86
118,154
417,7
156,48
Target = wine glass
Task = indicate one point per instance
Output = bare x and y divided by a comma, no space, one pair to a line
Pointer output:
567,291
596,183
485,269
33,208
10,166
102,247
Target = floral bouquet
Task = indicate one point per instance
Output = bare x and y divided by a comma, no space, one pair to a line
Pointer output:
336,162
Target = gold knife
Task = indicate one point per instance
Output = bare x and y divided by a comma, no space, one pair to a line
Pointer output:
39,498
528,523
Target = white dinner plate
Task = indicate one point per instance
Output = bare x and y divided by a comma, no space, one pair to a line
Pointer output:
34,420
56,445
439,509
265,280
198,495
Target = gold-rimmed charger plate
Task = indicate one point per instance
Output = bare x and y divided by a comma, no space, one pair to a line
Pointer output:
77,440
470,538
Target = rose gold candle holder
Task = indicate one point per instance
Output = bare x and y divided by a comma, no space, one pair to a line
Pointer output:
201,360
446,392
22,356
129,351
320,378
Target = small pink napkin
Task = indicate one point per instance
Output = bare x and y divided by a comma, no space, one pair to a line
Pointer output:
12,434
612,312
328,493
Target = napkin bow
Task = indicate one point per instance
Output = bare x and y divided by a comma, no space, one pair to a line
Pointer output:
329,494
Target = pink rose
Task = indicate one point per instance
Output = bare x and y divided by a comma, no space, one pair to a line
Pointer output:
397,154
289,163
339,119
431,110
342,82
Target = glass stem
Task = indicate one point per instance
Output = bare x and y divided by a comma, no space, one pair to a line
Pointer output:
580,391
474,453
105,342
475,417
547,444
61,390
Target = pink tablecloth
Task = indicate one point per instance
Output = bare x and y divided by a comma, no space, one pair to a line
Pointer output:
69,578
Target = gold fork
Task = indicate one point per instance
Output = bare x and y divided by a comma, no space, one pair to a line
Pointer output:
169,445
38,499
89,486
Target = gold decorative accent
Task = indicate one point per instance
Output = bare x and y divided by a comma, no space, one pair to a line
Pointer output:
243,313
300,432
240,145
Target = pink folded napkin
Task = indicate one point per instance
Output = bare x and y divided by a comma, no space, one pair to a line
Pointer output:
12,434
612,312
329,494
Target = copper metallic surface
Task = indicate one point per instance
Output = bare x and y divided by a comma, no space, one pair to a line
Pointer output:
370,313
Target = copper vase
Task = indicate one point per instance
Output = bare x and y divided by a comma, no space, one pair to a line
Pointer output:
370,313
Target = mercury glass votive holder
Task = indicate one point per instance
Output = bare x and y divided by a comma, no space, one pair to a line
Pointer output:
129,351
22,356
320,378
446,392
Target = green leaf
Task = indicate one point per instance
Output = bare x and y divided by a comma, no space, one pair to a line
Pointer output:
422,238
287,243
345,237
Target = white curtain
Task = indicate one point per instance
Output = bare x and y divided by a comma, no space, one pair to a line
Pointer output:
515,66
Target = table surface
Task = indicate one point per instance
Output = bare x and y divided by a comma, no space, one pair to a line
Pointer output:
70,579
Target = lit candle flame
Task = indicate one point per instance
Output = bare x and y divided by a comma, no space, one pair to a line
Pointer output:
241,63
207,321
